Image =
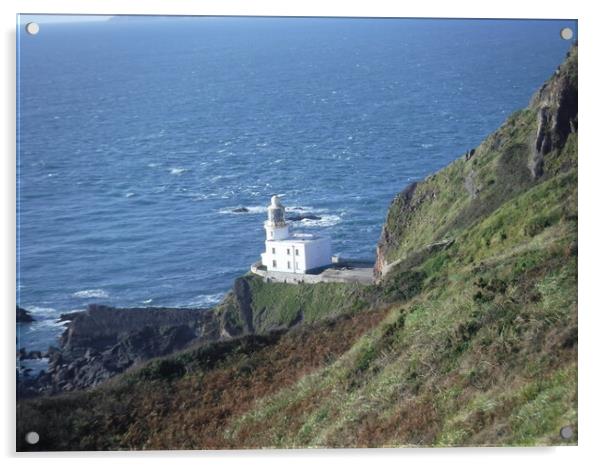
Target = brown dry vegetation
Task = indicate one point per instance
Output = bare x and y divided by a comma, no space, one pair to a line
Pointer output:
192,411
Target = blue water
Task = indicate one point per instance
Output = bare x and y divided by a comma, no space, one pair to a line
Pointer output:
137,139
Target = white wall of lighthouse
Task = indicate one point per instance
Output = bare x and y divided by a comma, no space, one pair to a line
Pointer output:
292,252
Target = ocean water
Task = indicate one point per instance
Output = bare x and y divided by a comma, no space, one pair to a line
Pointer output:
137,139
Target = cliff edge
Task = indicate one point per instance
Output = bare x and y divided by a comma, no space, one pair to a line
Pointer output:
532,146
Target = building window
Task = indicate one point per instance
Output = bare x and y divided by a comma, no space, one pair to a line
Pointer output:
288,265
273,250
288,252
297,252
273,263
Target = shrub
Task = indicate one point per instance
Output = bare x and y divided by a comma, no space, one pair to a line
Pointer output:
539,224
163,369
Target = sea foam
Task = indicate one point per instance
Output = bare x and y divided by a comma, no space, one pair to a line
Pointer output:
177,171
96,293
327,220
206,300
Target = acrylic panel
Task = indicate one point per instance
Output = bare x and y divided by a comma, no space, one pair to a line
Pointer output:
261,232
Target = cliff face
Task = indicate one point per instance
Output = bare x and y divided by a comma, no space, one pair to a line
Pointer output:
526,150
556,107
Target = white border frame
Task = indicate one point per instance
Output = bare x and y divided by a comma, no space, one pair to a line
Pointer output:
590,168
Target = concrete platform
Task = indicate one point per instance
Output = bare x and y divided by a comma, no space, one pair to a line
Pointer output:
344,271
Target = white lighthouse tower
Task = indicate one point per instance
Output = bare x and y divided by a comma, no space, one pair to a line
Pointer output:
276,227
292,252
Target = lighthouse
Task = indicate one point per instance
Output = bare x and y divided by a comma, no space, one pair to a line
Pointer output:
290,252
276,227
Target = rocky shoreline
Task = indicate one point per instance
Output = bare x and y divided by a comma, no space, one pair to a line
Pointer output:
103,341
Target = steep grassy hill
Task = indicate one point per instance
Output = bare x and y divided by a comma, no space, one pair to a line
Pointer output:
468,338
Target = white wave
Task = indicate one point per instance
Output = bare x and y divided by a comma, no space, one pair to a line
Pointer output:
96,293
426,146
202,197
35,365
257,209
147,301
301,208
130,194
177,171
327,220
50,323
152,165
278,161
206,300
39,312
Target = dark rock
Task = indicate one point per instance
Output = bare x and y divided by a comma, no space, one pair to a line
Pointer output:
240,210
243,295
23,316
24,354
103,341
556,106
299,217
402,205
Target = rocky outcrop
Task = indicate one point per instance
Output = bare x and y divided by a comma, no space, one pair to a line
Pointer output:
23,316
103,341
556,107
401,205
243,296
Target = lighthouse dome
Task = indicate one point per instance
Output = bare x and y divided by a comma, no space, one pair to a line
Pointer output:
276,202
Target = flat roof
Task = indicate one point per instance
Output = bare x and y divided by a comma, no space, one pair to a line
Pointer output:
299,237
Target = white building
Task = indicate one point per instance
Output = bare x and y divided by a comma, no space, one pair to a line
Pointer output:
292,252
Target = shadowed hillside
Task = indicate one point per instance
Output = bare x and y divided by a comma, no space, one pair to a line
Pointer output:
468,338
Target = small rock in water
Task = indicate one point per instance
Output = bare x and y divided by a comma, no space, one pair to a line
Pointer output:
239,210
299,217
23,316
24,354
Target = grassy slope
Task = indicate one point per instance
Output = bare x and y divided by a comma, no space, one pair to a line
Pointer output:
485,354
475,344
280,305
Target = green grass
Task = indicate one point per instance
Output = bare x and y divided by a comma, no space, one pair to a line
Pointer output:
280,304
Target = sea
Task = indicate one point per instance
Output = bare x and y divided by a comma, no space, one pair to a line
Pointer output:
138,138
